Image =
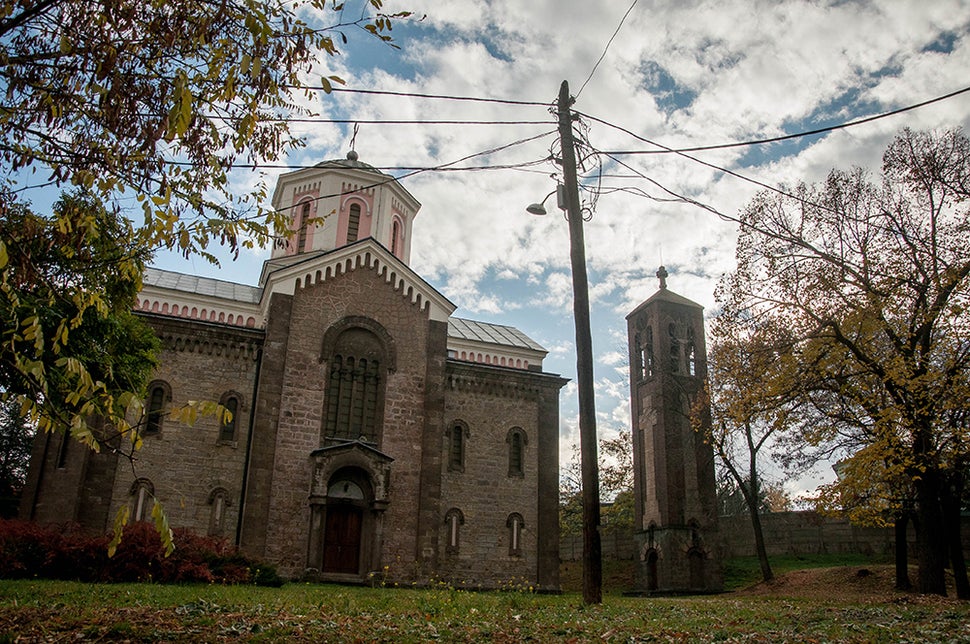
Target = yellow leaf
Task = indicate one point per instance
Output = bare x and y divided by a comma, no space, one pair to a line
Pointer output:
121,520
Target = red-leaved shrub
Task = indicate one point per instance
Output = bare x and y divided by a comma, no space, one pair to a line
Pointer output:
29,550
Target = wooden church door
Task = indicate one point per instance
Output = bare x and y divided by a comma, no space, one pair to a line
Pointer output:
341,545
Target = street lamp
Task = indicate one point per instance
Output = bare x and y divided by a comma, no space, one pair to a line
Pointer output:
540,208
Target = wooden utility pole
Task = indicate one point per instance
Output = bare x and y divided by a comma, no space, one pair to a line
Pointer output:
592,555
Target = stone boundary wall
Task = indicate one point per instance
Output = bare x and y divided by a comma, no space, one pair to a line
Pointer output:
786,533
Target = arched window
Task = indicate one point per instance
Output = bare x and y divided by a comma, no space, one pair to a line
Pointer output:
142,494
159,393
457,434
648,352
219,501
227,428
454,519
66,440
355,391
674,348
517,441
353,223
302,232
690,353
652,577
515,524
397,237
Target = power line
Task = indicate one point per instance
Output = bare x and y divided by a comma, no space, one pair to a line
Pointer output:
447,97
444,167
404,121
721,146
606,49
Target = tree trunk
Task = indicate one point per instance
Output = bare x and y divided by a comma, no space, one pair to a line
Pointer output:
931,545
759,541
950,497
901,551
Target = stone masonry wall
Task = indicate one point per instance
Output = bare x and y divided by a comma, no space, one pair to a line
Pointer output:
786,533
186,463
490,402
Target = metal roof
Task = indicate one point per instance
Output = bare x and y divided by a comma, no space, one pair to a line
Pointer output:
500,334
201,285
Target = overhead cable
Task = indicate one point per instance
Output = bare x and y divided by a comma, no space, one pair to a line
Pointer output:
447,97
738,144
606,49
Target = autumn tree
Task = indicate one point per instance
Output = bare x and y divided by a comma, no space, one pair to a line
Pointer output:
71,349
750,405
872,279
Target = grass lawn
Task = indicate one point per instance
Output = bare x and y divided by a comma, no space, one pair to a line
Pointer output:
47,611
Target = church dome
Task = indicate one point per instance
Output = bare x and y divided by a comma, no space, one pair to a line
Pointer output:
350,162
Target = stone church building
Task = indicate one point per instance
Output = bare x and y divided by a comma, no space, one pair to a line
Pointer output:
372,432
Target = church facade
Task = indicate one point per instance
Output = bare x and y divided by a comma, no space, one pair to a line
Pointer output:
373,434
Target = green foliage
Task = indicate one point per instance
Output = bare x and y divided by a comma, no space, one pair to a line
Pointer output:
159,101
616,488
147,101
71,349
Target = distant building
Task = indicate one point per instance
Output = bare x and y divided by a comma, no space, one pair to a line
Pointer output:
372,432
675,528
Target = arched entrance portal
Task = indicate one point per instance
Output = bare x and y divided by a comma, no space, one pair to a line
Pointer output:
348,498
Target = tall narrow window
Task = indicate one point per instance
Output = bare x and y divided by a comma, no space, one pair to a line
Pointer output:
396,237
142,495
454,519
516,440
219,501
691,357
674,348
456,446
648,352
354,389
227,429
515,524
302,233
158,394
353,223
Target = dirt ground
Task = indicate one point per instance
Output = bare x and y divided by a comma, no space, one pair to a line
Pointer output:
848,583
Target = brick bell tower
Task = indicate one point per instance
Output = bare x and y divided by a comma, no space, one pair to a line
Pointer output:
676,516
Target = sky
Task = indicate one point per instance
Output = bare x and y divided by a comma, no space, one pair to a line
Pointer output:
679,73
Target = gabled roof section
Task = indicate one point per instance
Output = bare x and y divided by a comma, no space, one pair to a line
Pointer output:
665,295
509,336
205,286
312,268
352,445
